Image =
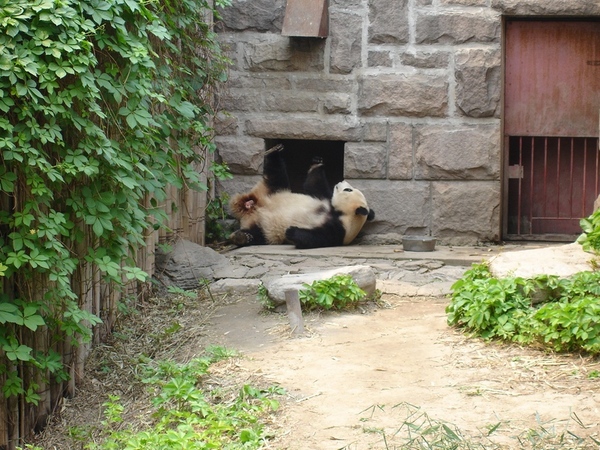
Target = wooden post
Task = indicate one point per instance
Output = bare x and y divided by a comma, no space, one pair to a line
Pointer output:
294,311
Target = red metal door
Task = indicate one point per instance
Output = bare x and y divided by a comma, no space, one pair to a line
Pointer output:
551,101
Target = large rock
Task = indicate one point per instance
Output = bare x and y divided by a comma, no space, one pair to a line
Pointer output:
561,260
364,276
187,263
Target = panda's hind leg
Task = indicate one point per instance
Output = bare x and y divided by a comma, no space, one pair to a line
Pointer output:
316,184
274,171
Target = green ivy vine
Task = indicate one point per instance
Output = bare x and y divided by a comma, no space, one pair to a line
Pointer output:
104,104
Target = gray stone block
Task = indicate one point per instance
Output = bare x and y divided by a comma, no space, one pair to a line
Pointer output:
417,95
430,59
186,264
478,80
464,2
243,154
240,100
547,7
339,127
457,152
398,205
346,43
375,131
365,160
458,27
289,101
336,103
280,53
400,165
321,83
261,81
388,22
380,58
252,15
466,211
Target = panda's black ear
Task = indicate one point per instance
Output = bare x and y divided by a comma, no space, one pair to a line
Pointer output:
362,211
371,215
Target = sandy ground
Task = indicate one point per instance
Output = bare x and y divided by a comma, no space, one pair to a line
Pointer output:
351,377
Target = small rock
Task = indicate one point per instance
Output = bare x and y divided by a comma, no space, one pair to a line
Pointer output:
187,263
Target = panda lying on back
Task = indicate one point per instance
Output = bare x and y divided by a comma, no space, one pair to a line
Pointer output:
320,217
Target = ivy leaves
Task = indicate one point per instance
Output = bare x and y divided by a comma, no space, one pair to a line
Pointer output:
102,111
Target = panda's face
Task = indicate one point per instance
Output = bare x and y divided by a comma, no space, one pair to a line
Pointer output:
347,199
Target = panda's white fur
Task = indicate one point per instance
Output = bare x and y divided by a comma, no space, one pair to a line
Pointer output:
287,209
346,200
276,213
271,214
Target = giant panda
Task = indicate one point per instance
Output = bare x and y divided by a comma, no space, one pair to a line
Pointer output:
320,217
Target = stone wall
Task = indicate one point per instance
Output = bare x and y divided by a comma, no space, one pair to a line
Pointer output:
412,86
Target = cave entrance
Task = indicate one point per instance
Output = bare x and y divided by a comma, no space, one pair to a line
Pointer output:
299,154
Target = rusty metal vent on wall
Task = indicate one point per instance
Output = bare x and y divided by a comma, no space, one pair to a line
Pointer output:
306,18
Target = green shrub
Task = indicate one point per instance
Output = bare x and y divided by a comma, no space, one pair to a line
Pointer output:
337,292
185,415
590,238
502,308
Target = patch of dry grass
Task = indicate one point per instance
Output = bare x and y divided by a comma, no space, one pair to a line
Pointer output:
172,327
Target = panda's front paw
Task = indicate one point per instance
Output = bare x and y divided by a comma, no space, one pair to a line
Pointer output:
290,233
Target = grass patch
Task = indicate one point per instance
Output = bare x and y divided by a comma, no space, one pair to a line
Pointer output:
159,384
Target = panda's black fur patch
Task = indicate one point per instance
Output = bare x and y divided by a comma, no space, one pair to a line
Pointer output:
328,229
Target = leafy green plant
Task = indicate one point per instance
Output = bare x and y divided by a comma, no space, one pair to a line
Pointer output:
502,308
489,306
590,238
188,417
337,292
216,213
263,297
104,106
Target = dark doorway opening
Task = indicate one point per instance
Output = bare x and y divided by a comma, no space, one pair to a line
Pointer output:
299,154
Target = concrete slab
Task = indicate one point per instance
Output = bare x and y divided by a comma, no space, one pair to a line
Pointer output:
459,256
561,260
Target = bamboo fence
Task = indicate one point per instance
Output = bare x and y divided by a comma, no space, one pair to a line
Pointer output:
18,418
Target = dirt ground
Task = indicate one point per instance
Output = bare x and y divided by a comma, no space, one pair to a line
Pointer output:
354,378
